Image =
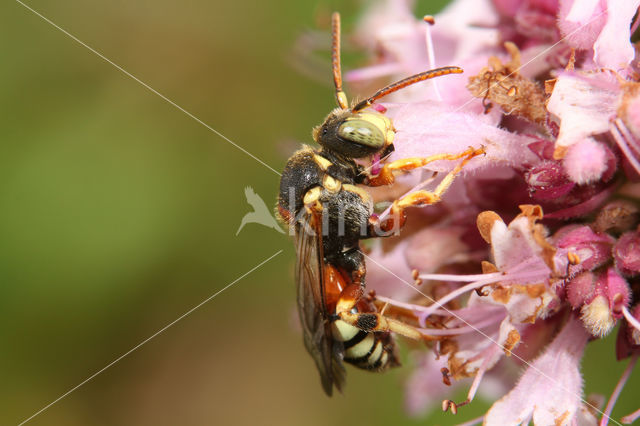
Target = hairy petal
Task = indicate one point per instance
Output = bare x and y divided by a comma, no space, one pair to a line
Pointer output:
388,272
613,48
550,389
584,105
426,129
581,21
521,243
425,386
586,161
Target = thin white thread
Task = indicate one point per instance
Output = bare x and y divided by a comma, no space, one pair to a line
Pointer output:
489,338
148,339
151,89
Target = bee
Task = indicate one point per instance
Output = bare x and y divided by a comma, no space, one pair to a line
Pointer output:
329,214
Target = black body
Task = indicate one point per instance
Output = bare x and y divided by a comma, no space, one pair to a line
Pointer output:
345,215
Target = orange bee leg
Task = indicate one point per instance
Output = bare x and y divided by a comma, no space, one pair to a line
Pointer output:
370,321
398,216
422,197
386,177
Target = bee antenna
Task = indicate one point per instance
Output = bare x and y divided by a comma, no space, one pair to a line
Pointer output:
341,97
426,75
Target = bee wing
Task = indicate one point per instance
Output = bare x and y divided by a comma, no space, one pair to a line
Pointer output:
311,304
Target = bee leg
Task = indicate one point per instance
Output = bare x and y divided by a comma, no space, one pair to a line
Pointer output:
351,261
370,321
386,177
389,226
397,215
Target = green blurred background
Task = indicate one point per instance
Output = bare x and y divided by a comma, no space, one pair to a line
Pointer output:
119,214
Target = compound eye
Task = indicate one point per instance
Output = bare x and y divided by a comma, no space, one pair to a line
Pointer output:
362,132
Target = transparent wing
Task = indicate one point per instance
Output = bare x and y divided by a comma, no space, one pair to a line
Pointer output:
311,304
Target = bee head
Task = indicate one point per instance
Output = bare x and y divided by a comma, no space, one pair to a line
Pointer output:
355,134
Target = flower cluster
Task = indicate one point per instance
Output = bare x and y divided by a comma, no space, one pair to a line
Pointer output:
552,93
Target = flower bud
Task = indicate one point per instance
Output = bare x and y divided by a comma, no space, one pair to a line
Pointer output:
593,249
628,340
597,317
589,161
616,216
611,293
548,181
618,292
542,148
626,253
580,289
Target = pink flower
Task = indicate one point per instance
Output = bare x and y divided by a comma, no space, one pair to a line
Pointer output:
550,390
425,386
587,161
592,248
552,94
430,128
529,22
603,307
626,253
399,43
602,26
584,105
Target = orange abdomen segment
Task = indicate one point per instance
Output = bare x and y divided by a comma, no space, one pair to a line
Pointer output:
334,283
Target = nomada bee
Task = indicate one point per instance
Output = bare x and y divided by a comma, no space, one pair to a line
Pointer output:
319,198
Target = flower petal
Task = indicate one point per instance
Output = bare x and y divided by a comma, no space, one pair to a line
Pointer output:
581,21
426,129
550,389
613,48
584,105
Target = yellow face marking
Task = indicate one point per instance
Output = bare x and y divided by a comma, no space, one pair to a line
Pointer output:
322,162
312,195
330,184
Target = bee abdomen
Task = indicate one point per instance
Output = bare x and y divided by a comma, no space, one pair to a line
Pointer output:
366,350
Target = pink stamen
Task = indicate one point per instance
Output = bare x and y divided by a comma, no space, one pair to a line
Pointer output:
487,279
481,370
454,294
420,308
487,356
634,144
630,418
459,278
531,261
621,136
432,59
616,392
634,322
462,330
410,306
473,422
